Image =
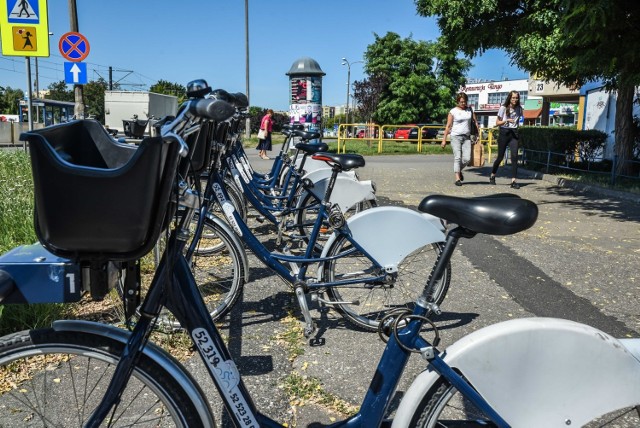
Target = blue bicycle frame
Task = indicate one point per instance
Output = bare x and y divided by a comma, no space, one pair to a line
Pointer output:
253,189
173,286
277,261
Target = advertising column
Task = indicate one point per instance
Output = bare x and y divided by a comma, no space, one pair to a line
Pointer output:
305,94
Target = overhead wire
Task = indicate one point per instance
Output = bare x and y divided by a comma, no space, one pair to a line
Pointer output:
53,68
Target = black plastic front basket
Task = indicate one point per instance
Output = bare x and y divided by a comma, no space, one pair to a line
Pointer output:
95,198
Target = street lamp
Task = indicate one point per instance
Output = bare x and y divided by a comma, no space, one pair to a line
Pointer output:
348,64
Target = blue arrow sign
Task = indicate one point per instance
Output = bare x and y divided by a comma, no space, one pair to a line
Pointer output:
75,72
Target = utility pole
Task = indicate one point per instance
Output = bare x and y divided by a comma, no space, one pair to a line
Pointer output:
78,109
247,131
346,107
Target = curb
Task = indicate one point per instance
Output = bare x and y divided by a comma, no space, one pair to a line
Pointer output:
582,187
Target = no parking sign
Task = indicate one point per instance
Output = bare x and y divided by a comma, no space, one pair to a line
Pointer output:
74,46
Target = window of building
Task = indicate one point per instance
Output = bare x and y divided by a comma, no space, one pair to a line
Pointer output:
500,97
473,101
523,96
497,97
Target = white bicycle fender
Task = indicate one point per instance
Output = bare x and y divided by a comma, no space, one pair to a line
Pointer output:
346,192
389,234
311,164
540,372
325,172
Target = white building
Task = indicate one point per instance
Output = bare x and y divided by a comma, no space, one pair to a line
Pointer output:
486,97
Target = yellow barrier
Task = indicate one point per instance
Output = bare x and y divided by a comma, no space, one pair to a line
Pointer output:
369,133
380,134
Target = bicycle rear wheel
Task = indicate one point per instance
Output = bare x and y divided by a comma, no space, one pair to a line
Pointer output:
443,406
218,267
218,274
56,379
364,305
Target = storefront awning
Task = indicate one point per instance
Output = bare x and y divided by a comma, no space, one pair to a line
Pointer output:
532,108
532,114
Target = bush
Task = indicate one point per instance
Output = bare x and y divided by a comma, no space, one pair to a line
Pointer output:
588,146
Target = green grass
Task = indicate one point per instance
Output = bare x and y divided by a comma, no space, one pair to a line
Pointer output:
303,389
16,200
602,180
389,147
16,224
366,147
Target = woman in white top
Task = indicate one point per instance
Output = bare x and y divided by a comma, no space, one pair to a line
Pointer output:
509,116
459,124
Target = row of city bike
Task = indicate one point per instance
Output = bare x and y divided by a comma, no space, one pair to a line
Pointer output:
188,196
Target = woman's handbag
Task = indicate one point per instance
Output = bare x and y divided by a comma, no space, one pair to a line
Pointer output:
262,134
473,129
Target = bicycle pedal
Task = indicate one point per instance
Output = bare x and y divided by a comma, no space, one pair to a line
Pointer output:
260,219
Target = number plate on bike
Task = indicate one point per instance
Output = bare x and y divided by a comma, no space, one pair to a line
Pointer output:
40,276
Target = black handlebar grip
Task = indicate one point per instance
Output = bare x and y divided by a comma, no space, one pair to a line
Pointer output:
241,100
220,94
217,110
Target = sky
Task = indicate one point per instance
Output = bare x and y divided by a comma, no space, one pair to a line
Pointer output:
145,41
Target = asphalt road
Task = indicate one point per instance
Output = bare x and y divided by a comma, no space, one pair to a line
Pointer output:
579,262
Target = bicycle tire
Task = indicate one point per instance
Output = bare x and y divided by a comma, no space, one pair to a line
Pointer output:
57,378
443,406
219,274
376,301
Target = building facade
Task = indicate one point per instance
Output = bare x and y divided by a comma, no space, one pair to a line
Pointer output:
328,112
544,103
486,97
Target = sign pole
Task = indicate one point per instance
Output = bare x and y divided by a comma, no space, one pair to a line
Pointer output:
29,93
77,89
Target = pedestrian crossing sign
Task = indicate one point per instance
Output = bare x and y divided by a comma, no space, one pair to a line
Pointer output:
24,28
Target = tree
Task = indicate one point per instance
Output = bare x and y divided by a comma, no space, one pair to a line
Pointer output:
257,113
9,99
94,98
169,88
569,41
367,94
58,91
421,78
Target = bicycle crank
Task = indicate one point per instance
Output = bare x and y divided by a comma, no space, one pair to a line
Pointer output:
316,298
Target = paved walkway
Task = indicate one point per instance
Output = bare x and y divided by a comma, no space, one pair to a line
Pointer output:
579,261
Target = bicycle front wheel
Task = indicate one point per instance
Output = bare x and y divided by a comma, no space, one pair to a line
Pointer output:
365,304
50,378
443,406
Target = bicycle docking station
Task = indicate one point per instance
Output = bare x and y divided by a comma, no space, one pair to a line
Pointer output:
40,277
32,274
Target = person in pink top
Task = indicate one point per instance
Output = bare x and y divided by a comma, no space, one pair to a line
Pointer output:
266,124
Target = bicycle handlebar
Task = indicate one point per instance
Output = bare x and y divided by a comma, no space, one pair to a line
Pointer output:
213,109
